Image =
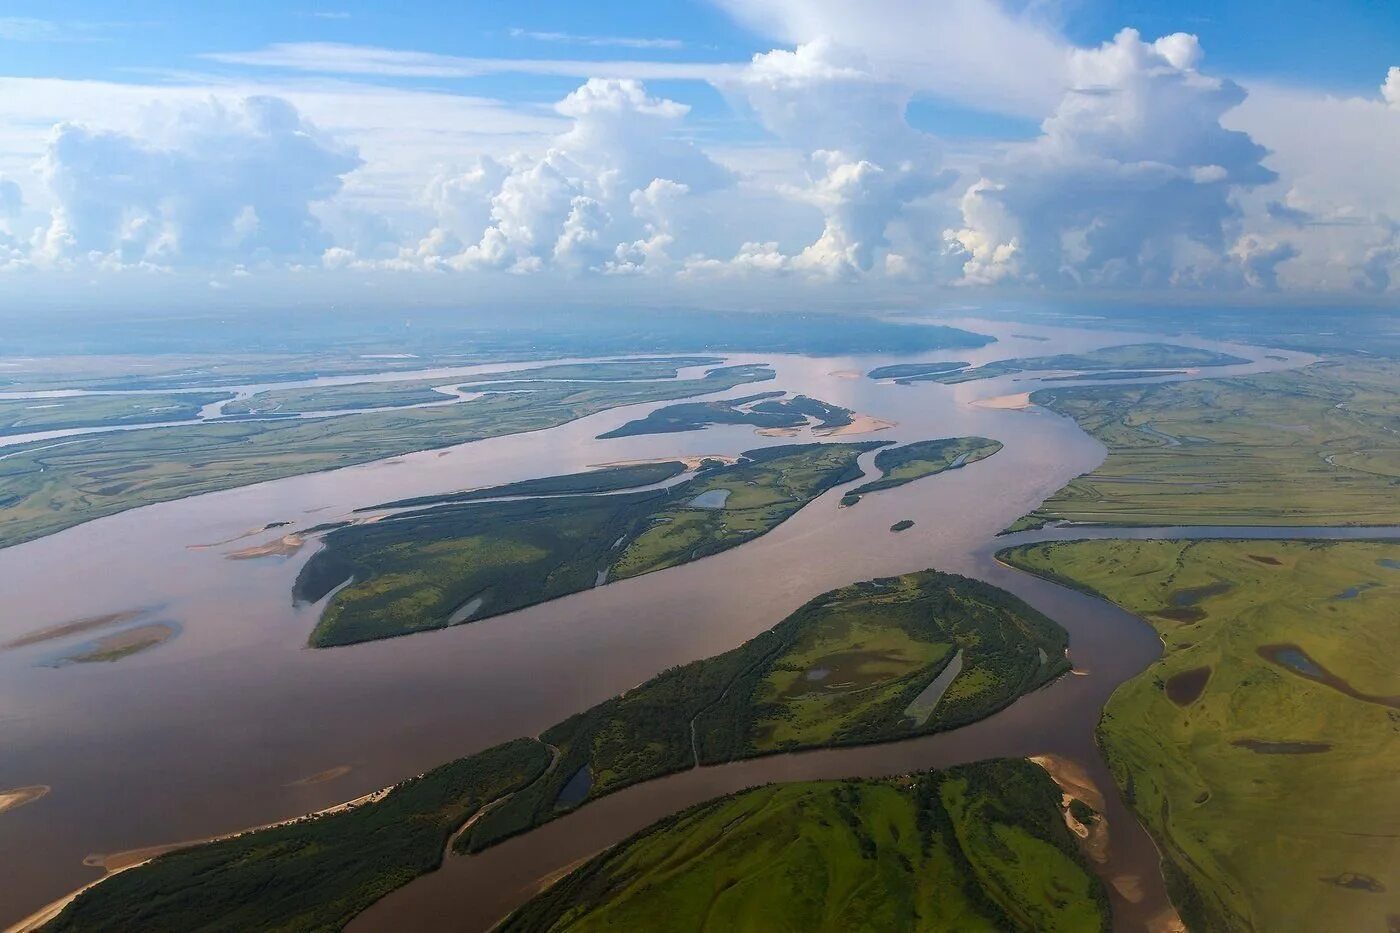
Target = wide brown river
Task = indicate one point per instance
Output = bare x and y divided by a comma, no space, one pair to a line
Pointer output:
220,727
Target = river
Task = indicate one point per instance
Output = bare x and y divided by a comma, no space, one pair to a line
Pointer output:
219,728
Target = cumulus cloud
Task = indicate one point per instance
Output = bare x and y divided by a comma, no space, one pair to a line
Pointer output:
1130,183
597,200
977,52
1390,90
865,163
204,183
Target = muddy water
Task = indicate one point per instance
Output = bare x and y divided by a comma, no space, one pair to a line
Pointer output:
220,727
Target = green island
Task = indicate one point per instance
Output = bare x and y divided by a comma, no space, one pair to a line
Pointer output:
446,565
405,392
605,479
904,371
871,662
979,847
32,415
315,873
904,524
47,486
900,465
1262,749
767,411
1133,356
1319,445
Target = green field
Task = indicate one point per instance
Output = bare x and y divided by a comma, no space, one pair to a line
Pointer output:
417,391
1314,446
766,411
1262,749
31,415
51,485
900,465
901,372
316,873
880,644
606,479
436,567
1134,356
977,847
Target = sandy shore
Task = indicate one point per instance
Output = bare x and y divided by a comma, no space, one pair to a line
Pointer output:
122,861
860,424
321,777
125,643
285,546
778,432
74,628
845,374
17,797
1017,400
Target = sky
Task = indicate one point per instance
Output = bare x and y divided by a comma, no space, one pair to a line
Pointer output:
732,152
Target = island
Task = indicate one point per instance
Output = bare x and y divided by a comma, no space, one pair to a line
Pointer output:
1259,748
767,411
36,415
871,662
900,465
444,565
904,524
46,486
1135,356
976,847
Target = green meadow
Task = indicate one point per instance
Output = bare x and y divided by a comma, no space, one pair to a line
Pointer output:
980,847
47,486
894,638
900,465
469,560
1262,750
32,415
1314,446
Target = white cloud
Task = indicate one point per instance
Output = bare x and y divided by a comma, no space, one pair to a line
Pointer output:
202,184
972,51
1130,184
626,42
341,58
1390,90
865,163
597,200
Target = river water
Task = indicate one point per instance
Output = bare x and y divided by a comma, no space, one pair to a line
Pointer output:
219,728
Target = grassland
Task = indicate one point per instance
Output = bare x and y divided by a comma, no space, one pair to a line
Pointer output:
48,486
904,371
900,465
311,874
765,411
440,566
977,847
893,636
845,669
418,391
1319,445
1134,356
606,479
1261,750
31,415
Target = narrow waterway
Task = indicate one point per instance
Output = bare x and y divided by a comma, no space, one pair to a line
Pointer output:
222,726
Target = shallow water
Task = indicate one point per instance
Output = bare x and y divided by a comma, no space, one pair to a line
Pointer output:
218,728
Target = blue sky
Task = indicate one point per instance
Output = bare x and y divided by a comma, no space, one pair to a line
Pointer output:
925,144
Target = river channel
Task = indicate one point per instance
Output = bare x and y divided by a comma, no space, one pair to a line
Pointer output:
235,722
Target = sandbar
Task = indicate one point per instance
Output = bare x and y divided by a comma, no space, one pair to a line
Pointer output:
860,424
16,797
75,627
1015,401
285,546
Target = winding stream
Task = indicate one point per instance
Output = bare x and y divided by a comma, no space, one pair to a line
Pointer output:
220,727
